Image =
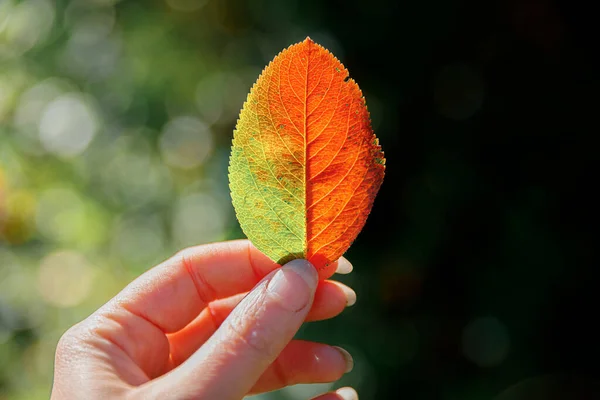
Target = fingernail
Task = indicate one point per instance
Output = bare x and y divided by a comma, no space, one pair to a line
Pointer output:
350,295
347,357
284,284
347,393
344,266
305,269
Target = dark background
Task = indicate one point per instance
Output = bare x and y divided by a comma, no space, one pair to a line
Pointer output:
477,269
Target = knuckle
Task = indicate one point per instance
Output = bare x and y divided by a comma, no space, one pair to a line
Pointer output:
71,344
66,343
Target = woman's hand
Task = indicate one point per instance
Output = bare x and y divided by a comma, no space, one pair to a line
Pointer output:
189,329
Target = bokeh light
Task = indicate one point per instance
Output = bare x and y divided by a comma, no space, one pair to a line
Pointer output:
199,217
61,215
30,109
67,125
93,49
131,174
219,95
16,218
186,142
65,278
138,240
486,342
24,24
22,308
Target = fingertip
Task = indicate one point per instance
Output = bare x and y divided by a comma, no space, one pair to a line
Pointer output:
344,266
347,393
348,360
303,362
330,300
305,270
293,286
348,293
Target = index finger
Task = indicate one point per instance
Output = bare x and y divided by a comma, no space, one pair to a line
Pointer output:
172,294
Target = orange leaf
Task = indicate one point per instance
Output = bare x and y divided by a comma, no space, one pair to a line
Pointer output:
305,165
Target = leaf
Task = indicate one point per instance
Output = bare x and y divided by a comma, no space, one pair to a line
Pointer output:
305,165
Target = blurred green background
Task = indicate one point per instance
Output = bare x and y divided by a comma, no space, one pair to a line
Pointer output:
478,267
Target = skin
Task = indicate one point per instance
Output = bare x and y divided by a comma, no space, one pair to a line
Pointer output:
213,321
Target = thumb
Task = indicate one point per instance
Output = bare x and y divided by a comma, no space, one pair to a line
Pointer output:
252,336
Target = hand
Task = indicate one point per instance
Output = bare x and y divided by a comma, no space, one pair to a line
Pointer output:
187,329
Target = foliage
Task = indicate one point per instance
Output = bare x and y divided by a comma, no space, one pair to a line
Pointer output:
305,165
